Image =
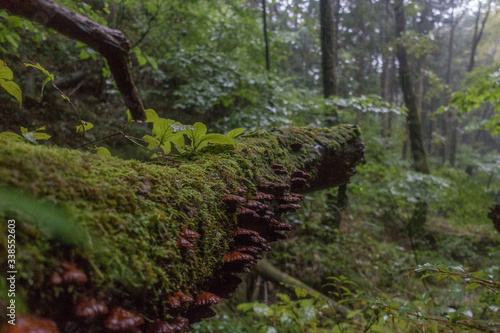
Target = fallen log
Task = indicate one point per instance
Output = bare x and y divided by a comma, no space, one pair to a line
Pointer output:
149,244
271,273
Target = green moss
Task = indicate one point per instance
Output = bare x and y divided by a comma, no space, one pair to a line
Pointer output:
129,213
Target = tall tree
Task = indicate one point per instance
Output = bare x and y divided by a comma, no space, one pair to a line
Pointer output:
266,38
478,33
453,140
328,47
415,130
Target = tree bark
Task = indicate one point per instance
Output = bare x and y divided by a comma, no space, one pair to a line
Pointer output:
478,32
110,43
415,130
119,223
266,39
328,47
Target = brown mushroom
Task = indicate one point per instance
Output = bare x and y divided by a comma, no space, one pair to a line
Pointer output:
242,231
182,242
232,199
283,226
122,320
183,298
263,196
298,183
32,324
90,308
241,190
259,206
236,256
205,297
187,233
247,213
300,174
68,274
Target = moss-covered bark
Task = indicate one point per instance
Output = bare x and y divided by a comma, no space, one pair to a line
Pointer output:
128,214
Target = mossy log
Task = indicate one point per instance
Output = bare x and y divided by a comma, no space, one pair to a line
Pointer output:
121,243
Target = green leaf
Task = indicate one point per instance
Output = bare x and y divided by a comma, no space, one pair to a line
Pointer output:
300,292
85,126
162,128
152,62
11,136
84,54
199,131
151,115
13,89
245,307
5,72
284,298
41,136
11,40
152,141
472,286
216,138
49,78
235,132
103,151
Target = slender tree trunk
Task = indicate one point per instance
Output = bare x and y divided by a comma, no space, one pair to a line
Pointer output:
478,32
415,130
328,47
266,38
383,91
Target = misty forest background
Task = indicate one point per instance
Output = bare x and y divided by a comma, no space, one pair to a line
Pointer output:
418,205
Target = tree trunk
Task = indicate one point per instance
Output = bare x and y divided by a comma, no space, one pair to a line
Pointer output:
415,130
266,39
328,47
110,43
113,230
478,32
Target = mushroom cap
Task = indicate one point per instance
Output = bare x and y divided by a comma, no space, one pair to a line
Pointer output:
187,233
249,249
263,196
32,324
182,242
277,225
242,231
301,174
89,308
232,199
237,256
121,320
253,204
247,212
183,298
68,274
205,297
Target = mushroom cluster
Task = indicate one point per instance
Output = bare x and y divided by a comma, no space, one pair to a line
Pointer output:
259,223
